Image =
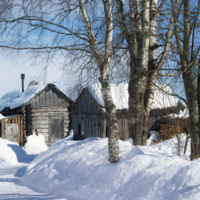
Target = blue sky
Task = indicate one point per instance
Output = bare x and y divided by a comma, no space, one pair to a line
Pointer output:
12,68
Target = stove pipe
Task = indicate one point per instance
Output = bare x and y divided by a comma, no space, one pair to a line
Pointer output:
22,77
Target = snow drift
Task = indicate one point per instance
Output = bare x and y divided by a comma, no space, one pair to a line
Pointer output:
11,154
35,144
79,170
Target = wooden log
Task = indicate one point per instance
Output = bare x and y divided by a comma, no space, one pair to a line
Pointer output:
42,122
40,126
40,118
43,131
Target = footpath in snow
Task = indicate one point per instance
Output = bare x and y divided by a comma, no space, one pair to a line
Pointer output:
76,170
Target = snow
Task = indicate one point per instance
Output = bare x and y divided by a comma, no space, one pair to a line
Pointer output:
120,96
10,153
79,170
17,98
154,136
35,144
119,93
183,114
1,116
163,98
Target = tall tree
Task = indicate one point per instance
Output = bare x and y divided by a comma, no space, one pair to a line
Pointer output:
188,60
140,34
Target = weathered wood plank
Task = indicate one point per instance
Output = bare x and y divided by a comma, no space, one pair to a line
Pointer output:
34,126
49,109
43,130
44,122
50,97
37,102
40,118
43,99
47,96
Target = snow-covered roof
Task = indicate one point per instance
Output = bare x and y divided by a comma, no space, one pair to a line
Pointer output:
120,96
17,98
1,116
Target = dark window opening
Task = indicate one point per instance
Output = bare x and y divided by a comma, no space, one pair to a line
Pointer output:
79,129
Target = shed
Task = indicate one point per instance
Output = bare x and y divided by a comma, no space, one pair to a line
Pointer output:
89,113
12,129
45,109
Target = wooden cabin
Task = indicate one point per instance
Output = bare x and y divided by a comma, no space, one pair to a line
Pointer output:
45,109
90,120
89,113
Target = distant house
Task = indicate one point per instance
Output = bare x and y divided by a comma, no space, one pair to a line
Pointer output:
89,112
43,109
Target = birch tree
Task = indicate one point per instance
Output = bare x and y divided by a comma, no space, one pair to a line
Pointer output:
140,34
188,60
70,29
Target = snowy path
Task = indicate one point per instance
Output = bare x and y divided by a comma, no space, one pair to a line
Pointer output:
11,187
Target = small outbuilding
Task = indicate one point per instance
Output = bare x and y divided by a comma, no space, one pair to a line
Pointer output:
43,109
89,112
12,129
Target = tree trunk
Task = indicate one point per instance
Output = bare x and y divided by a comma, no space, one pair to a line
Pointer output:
103,62
152,72
113,144
190,88
136,104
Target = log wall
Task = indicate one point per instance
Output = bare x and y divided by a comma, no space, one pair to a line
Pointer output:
39,110
91,117
40,120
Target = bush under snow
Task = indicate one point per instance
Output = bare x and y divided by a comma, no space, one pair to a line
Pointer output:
35,144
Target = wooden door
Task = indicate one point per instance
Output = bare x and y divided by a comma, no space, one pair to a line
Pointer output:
12,132
56,128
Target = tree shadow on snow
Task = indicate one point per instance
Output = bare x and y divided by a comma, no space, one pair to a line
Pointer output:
20,153
20,172
22,156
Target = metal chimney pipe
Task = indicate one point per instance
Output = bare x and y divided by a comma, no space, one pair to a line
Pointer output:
22,77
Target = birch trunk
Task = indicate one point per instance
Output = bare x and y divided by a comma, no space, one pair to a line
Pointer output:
103,62
190,88
154,66
113,146
152,71
138,73
188,77
190,85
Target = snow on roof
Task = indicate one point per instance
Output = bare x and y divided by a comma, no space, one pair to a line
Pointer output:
17,98
1,116
120,96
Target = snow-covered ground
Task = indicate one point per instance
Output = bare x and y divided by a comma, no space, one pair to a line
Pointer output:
76,170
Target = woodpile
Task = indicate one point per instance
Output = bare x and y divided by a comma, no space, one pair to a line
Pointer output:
169,127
